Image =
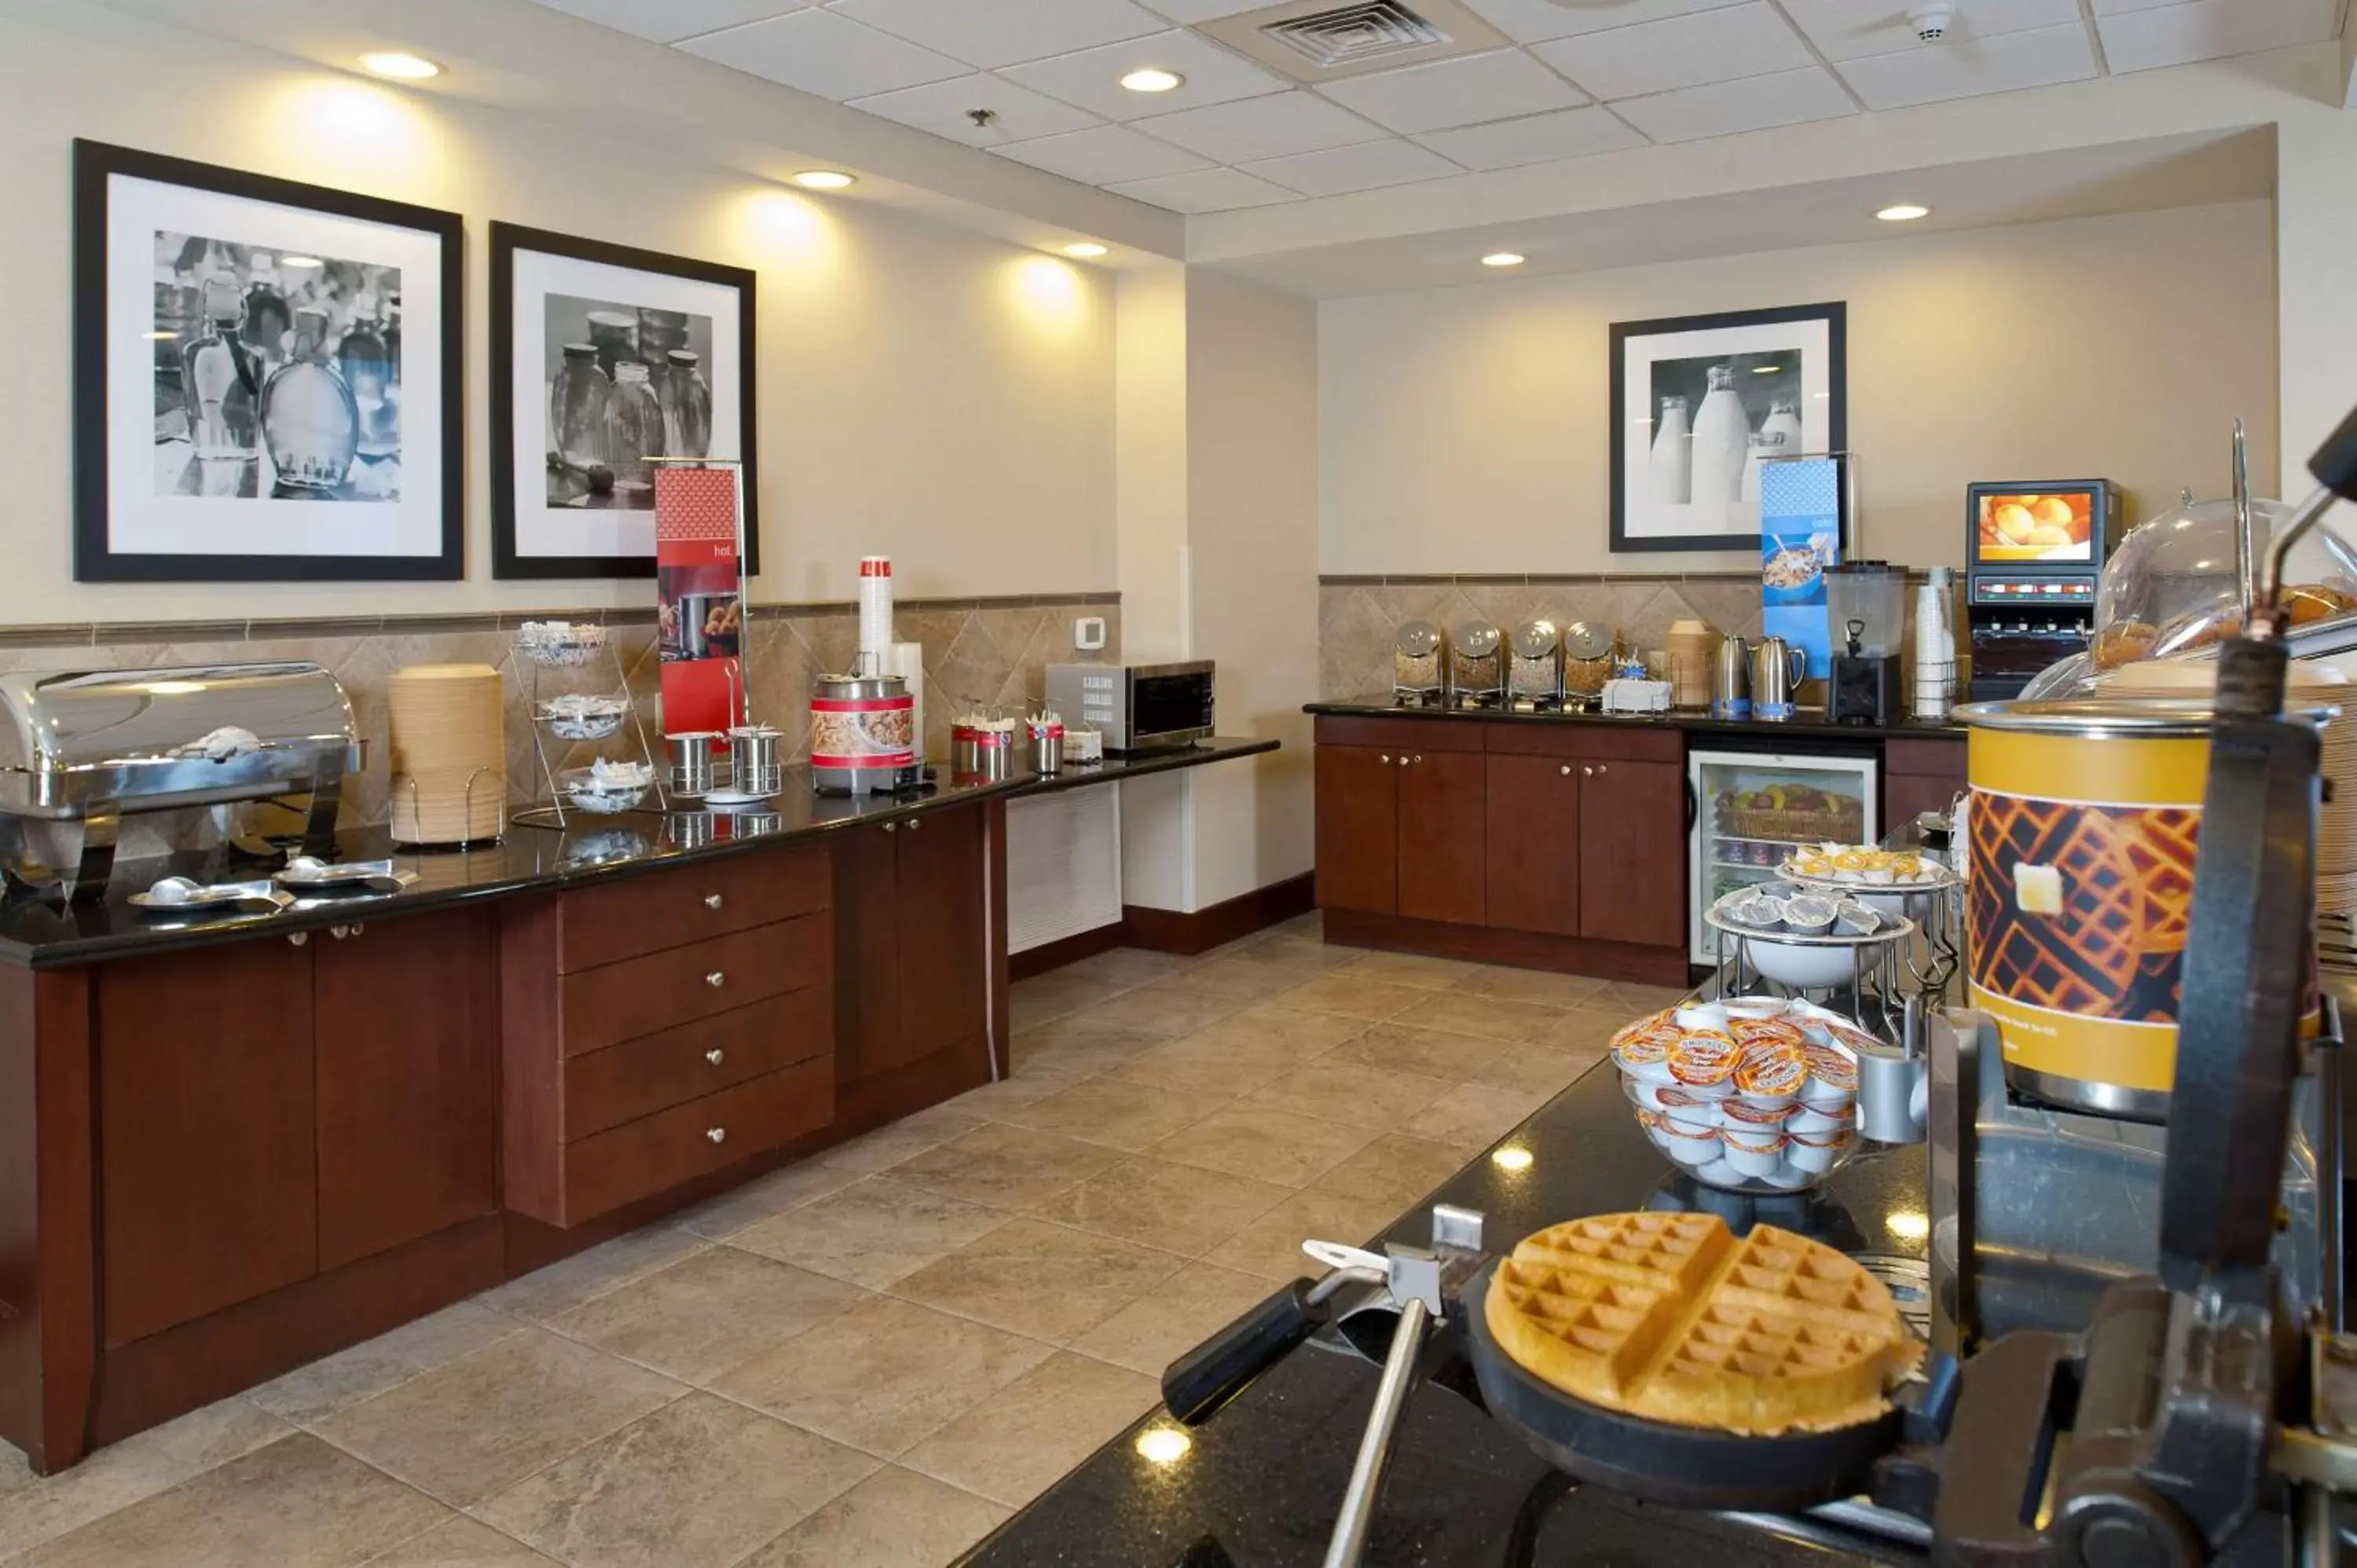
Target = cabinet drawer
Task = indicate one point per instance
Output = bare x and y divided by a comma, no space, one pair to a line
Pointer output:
637,915
1576,737
1403,735
655,1072
1924,759
618,1002
644,1157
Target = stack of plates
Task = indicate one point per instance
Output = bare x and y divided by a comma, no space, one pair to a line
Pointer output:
447,734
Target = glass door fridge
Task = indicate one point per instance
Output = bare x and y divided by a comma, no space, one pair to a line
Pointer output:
1752,806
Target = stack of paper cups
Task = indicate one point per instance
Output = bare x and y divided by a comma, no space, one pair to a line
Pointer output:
876,611
907,659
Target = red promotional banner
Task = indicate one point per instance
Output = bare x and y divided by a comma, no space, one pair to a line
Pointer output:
698,588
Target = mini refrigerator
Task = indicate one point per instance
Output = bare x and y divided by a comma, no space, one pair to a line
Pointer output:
1751,808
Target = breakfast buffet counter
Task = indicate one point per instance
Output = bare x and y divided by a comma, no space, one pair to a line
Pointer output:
1810,722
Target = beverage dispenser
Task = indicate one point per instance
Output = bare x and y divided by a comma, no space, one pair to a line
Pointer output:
2034,553
1866,615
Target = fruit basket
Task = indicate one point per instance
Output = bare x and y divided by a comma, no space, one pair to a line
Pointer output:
1797,812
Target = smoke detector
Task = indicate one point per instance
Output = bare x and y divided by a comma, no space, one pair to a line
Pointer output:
1931,22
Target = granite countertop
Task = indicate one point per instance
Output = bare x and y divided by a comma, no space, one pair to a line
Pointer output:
41,933
1263,1479
1810,722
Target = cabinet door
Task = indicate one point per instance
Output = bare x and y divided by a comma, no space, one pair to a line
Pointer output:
943,983
408,1080
1533,844
1632,843
1443,847
207,1175
867,953
1357,828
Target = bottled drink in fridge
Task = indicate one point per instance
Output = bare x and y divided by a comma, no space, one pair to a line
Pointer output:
634,433
1672,477
686,408
1722,439
309,423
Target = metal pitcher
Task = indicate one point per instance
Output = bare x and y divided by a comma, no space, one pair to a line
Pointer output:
1730,680
1778,668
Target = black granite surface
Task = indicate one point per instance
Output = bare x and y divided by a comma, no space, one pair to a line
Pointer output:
1261,1483
1811,723
43,933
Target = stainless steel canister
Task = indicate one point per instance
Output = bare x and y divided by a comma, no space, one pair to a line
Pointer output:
691,761
1047,750
689,830
754,765
982,753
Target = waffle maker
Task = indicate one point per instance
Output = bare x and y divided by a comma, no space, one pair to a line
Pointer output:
2201,1416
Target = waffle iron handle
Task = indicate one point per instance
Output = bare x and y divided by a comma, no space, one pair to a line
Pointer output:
1215,1372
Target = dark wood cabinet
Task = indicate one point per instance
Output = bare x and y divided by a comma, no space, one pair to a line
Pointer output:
1357,828
1920,775
1533,835
1443,857
1632,840
207,1190
912,978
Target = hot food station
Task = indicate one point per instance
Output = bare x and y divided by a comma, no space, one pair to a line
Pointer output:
1983,1205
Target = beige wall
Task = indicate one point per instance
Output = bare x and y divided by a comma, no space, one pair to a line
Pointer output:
1464,430
923,391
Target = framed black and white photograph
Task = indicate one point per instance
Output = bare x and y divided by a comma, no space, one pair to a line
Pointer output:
1700,401
607,360
267,378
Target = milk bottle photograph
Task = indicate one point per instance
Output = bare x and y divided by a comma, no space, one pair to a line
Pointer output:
1722,438
1673,454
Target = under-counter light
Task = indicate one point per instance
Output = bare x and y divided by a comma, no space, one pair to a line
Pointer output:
1163,1445
1501,259
1909,1224
1511,1158
401,67
1086,250
825,180
1905,212
1153,79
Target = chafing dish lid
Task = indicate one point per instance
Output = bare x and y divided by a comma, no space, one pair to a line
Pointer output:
1416,638
1475,639
67,719
1534,639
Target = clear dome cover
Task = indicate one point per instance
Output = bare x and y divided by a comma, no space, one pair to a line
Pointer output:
2172,587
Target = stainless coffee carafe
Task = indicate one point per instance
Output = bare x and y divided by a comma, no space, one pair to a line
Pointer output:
1778,670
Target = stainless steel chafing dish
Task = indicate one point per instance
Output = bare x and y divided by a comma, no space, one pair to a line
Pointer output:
88,746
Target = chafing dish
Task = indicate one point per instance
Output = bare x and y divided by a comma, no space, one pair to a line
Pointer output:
89,746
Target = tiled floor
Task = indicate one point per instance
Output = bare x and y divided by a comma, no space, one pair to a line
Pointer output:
870,1360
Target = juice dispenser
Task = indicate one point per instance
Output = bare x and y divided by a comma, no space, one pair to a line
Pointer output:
1865,612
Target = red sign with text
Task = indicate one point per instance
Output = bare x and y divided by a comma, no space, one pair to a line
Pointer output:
698,592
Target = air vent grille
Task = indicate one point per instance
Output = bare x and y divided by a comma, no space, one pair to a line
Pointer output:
1353,35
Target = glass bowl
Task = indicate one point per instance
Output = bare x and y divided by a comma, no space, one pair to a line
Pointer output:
604,794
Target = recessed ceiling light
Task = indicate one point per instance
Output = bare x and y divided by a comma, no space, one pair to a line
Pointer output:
1153,79
405,67
1087,250
1501,259
301,261
824,179
1905,212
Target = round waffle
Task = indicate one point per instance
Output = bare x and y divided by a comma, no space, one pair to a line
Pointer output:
1671,1318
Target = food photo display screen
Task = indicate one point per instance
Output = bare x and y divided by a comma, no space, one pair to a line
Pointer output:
2050,526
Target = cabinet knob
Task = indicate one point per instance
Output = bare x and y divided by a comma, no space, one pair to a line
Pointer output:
717,1135
1586,772
712,900
1419,757
1384,757
1403,762
1602,768
1564,770
891,827
914,826
297,939
716,980
715,1056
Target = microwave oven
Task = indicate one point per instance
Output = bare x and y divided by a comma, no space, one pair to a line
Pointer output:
1138,707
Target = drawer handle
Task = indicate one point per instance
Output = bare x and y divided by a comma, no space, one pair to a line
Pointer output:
716,980
715,1056
717,1135
712,900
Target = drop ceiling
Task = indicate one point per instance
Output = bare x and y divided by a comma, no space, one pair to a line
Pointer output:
1533,80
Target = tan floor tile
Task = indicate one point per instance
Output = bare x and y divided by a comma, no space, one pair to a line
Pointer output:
1276,1147
897,1140
484,1422
871,1234
1535,1070
1533,986
997,1102
1485,1017
1179,1208
1167,1007
1425,1053
584,1276
1123,966
1174,1317
1352,1093
895,1519
1628,998
1203,1069
885,1375
296,1500
1394,1170
16,1473
1584,1029
1017,1445
1046,1281
1057,996
1349,996
462,1543
1005,1168
1271,1245
1113,1112
1281,1034
698,1483
1239,976
139,1466
1412,968
700,1317
369,1368
791,1187
1298,952
1079,1051
1473,1115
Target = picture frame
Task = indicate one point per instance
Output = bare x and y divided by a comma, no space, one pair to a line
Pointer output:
1685,463
323,333
574,427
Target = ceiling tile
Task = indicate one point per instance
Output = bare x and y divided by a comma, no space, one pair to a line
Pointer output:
1362,168
2113,7
1201,10
1103,155
1275,126
1465,92
1206,190
1535,139
1846,29
1091,77
668,21
1533,21
1969,68
1724,108
2211,29
1019,114
821,52
1007,32
1684,51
